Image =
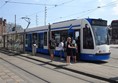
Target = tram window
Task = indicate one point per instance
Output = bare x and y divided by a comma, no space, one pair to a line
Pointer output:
87,39
57,38
45,39
40,40
77,33
34,38
56,35
70,34
64,35
60,35
28,40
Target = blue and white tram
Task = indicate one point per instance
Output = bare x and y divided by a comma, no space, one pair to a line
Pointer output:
93,36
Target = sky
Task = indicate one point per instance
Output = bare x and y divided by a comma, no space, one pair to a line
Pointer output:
56,10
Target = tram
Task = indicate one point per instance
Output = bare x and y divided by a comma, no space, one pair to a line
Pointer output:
92,33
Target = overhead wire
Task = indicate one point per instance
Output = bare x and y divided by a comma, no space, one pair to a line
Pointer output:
109,4
82,13
4,4
30,3
86,12
66,2
57,5
54,5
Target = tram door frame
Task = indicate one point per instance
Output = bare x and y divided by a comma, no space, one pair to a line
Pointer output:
78,36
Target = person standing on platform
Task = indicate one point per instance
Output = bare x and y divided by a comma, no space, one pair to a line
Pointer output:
69,48
52,46
34,48
78,48
74,50
61,49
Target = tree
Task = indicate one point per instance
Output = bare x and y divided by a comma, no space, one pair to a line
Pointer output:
11,27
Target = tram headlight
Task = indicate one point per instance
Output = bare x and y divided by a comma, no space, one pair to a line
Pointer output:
103,49
99,51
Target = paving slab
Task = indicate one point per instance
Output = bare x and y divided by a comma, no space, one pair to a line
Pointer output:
8,76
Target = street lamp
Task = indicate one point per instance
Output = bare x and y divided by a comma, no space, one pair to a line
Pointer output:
27,20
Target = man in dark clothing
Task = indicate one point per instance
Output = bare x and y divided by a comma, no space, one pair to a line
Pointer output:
52,46
78,48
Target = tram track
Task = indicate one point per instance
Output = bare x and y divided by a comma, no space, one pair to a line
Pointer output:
78,72
25,71
20,57
42,66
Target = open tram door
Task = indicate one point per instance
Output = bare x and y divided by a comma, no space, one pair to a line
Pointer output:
75,34
77,38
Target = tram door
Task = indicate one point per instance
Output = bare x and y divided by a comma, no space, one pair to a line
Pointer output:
75,34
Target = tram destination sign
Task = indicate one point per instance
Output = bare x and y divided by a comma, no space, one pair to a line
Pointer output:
99,22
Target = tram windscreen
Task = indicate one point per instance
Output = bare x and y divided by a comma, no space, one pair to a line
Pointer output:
101,34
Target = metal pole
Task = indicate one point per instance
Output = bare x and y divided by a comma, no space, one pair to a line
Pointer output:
45,15
24,34
49,31
14,48
15,23
24,37
28,25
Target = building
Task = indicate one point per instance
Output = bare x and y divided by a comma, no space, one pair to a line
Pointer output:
2,26
114,31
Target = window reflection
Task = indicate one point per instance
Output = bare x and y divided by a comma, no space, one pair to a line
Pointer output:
60,35
100,33
87,39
